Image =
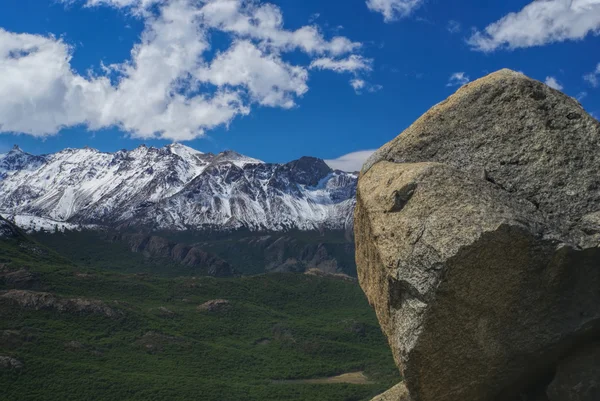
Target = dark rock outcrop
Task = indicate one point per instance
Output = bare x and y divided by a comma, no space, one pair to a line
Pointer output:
47,301
250,253
578,376
19,279
8,229
191,256
7,362
477,243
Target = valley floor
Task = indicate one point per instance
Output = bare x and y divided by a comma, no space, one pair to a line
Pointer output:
85,333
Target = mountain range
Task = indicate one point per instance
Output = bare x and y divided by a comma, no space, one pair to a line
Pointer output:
173,188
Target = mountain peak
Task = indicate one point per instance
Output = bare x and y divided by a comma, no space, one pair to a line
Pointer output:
309,170
182,150
235,158
16,149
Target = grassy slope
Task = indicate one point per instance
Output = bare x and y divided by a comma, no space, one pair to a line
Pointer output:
310,322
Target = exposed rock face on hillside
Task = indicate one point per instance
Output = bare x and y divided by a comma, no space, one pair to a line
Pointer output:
7,362
7,229
47,301
477,244
249,253
215,305
184,254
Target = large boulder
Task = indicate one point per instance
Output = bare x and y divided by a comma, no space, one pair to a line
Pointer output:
578,376
477,235
396,393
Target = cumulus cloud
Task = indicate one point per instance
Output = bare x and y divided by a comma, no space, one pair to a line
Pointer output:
539,23
168,88
458,79
394,9
264,22
350,162
38,91
553,83
269,80
593,77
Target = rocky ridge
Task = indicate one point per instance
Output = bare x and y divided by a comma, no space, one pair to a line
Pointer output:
173,188
477,244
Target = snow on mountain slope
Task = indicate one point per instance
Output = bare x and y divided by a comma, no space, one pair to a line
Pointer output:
92,185
16,160
34,223
175,187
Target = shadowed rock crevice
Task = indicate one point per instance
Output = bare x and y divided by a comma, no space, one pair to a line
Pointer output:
477,236
402,196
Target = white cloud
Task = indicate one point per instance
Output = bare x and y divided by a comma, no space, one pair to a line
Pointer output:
360,85
454,26
539,23
269,80
138,4
580,96
458,79
38,90
394,9
354,64
264,22
553,83
168,88
593,78
357,84
350,162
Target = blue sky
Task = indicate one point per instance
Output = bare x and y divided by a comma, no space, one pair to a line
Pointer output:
274,80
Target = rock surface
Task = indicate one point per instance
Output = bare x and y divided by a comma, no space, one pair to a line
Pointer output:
251,254
477,240
8,229
7,362
18,279
396,393
525,137
215,305
191,256
578,377
47,301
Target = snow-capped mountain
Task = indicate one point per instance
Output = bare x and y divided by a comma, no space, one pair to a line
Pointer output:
17,160
175,187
